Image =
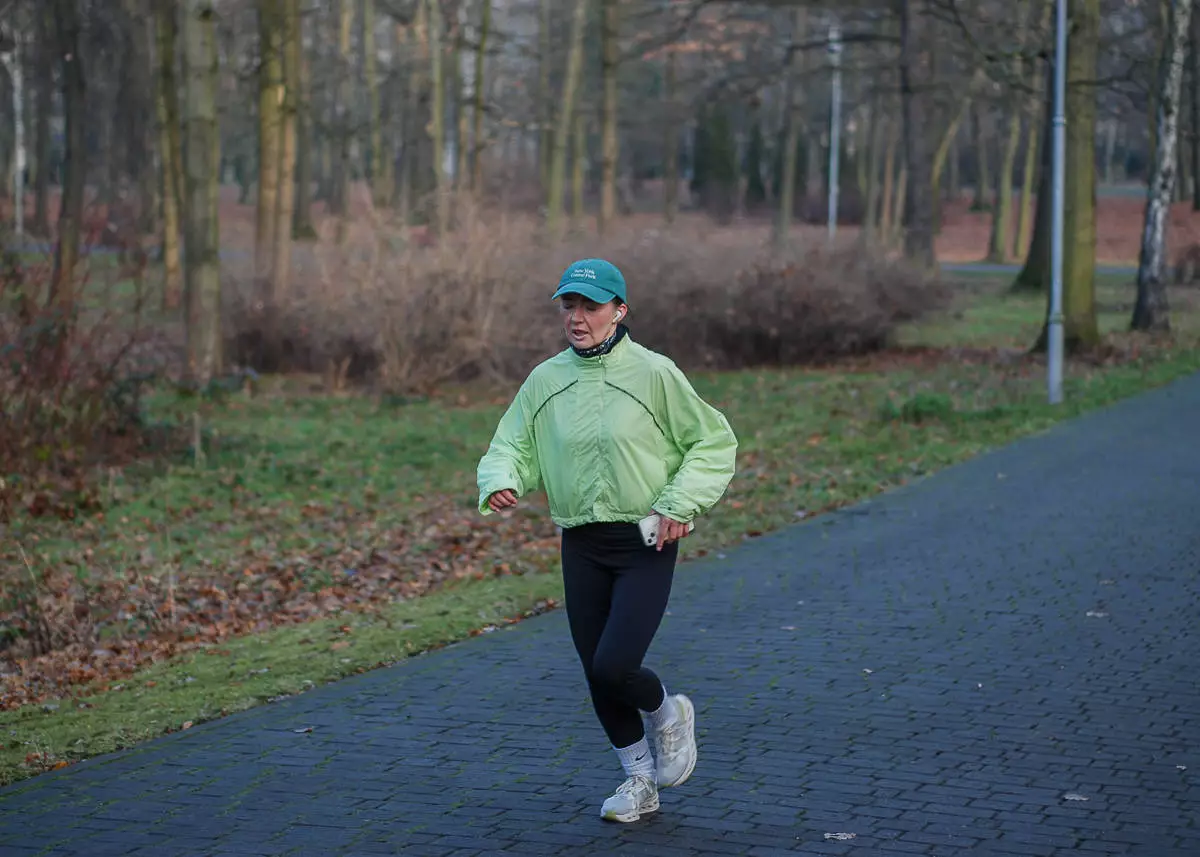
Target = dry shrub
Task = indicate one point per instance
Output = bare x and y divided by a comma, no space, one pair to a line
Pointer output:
70,382
43,611
411,312
415,313
812,308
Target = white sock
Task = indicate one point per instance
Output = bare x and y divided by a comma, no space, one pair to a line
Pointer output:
636,759
665,714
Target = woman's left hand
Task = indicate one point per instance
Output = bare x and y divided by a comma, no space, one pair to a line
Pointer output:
670,531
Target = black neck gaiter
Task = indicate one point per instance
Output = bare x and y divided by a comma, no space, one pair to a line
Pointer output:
605,346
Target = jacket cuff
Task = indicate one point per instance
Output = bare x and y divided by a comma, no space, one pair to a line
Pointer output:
664,507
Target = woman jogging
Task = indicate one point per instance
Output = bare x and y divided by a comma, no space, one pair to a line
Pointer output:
627,451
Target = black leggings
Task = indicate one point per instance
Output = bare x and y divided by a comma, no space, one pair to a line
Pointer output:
617,591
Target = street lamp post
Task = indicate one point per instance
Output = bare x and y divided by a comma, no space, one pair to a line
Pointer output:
1054,338
835,126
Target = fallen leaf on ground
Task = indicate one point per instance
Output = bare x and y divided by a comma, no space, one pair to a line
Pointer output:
161,617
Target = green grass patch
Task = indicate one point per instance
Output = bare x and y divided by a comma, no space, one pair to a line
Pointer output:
243,672
313,489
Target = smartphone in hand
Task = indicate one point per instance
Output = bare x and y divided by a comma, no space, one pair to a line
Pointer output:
648,526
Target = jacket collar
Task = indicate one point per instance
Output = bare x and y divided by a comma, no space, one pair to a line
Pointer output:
619,350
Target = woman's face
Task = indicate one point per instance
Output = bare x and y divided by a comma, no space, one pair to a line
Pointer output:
588,323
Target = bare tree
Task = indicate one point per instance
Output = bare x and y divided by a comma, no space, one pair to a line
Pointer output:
70,217
791,140
271,93
1080,328
339,201
43,104
170,148
379,193
13,60
1034,101
544,112
202,304
285,198
302,228
437,128
1151,310
670,139
999,242
554,202
915,68
1034,275
609,141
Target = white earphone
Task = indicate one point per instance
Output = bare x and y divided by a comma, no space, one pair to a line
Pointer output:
616,317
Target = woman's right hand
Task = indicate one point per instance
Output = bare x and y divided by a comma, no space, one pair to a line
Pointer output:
502,500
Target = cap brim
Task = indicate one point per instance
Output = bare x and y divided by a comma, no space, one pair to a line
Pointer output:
592,293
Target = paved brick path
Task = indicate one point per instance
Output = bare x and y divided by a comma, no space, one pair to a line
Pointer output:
934,671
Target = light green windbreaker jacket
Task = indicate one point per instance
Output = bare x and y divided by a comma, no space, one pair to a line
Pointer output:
611,437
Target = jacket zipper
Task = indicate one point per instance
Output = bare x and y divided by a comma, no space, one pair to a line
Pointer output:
600,435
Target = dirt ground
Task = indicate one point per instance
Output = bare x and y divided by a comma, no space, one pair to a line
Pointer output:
963,238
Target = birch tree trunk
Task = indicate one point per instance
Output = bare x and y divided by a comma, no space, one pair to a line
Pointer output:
166,98
1194,58
202,306
609,140
562,132
1151,311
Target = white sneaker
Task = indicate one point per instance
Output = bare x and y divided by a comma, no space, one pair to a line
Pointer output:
632,799
675,744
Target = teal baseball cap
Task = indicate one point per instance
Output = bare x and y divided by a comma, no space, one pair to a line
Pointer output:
596,279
